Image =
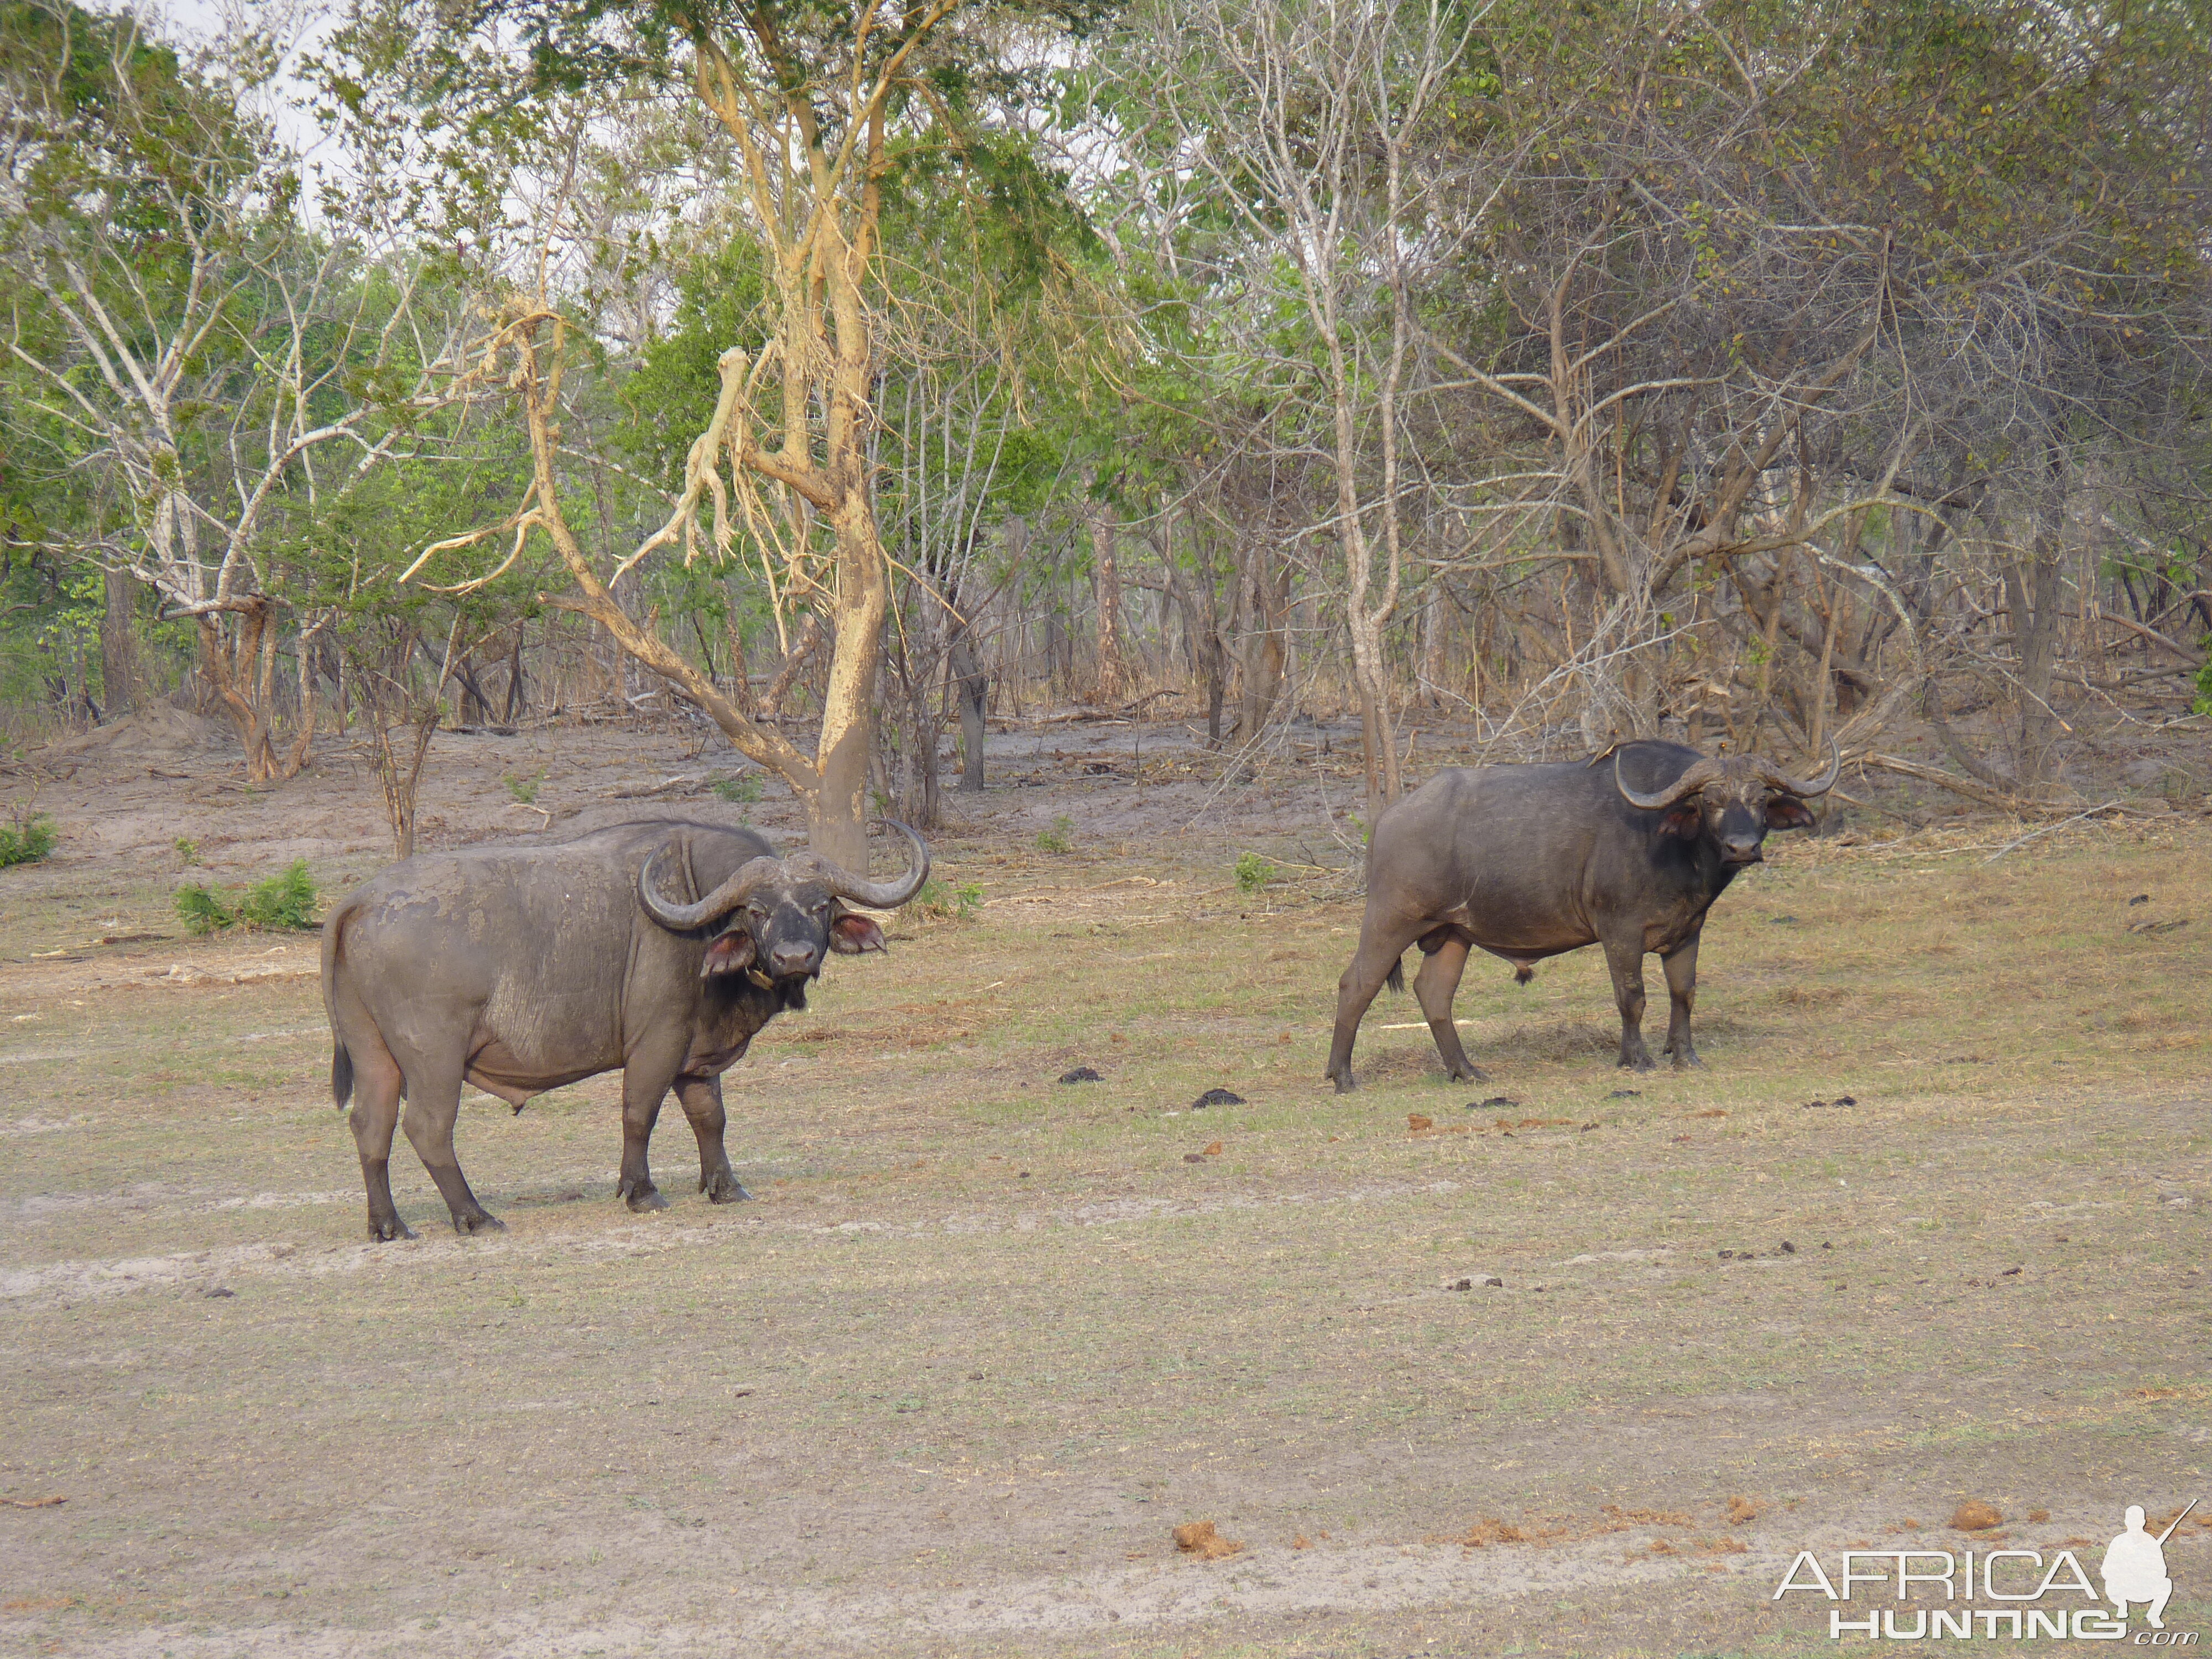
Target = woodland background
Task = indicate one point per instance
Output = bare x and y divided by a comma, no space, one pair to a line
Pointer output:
839,377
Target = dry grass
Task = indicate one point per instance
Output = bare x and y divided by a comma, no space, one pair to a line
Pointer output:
944,1386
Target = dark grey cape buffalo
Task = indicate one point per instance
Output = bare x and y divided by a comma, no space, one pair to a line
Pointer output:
1529,861
522,969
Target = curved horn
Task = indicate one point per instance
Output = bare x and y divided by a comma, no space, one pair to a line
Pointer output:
876,894
1700,775
682,918
1775,776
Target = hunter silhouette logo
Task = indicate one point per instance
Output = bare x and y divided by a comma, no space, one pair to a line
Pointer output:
2134,1567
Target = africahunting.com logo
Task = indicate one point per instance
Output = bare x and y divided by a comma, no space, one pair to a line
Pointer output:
2015,1594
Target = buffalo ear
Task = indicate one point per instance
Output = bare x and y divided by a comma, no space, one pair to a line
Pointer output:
728,953
853,933
1787,812
1686,818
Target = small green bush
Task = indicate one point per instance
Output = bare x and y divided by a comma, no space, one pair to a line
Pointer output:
188,850
285,902
744,790
1060,838
27,840
2203,704
943,903
1254,872
525,790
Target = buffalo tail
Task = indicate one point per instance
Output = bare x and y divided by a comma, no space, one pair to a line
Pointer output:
1397,981
341,1061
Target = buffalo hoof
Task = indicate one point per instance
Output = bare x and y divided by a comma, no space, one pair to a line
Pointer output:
480,1222
723,1188
1470,1074
1637,1062
1686,1060
1344,1085
645,1198
382,1229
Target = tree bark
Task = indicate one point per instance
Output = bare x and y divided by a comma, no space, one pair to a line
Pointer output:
1111,678
2032,593
971,685
1429,683
1265,601
119,644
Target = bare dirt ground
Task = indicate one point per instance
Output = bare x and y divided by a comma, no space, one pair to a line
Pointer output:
983,1339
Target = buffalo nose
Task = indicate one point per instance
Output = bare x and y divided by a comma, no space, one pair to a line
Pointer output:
791,958
1741,849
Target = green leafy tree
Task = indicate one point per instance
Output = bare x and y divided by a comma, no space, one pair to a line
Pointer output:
813,112
186,355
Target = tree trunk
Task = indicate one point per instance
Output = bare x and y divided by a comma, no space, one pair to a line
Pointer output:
1112,678
118,645
514,693
233,669
402,779
1265,601
836,807
2032,593
1429,683
972,686
1378,746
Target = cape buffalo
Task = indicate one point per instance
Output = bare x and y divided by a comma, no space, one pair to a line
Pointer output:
1529,861
522,969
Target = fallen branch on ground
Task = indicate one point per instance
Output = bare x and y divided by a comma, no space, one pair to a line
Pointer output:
1959,786
677,786
2021,840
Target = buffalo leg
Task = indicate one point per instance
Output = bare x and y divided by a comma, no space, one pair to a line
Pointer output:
1681,995
642,1097
1626,958
433,1105
1378,953
374,1115
1434,987
701,1099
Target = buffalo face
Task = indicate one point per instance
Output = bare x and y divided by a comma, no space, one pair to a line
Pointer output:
775,919
1733,802
1737,814
783,933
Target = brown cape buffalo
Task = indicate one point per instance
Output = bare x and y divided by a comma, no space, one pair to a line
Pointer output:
660,948
1529,861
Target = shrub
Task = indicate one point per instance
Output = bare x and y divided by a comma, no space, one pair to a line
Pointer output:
188,850
27,840
943,903
525,790
285,902
1060,838
1254,872
744,790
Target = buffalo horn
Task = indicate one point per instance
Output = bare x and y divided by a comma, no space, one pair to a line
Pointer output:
1779,779
876,894
1702,773
681,918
